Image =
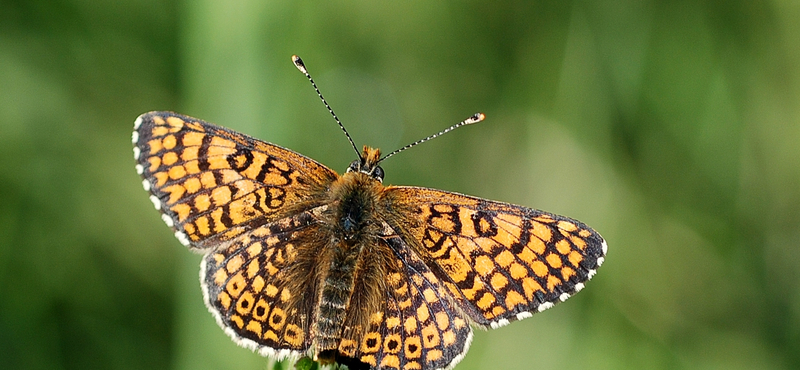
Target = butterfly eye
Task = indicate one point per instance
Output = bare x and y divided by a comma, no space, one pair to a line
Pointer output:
355,166
377,173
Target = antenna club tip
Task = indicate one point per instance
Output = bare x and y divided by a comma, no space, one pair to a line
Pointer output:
299,64
477,117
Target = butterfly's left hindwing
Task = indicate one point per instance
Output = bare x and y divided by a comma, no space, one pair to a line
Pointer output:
500,261
255,287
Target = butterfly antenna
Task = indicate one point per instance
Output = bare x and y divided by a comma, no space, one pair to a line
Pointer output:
477,117
302,67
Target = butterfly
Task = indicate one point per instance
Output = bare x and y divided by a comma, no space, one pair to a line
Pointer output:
299,260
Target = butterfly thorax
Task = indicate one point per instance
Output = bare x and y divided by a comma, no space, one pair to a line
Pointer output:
353,262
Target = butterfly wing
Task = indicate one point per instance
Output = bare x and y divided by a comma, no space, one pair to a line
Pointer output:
418,327
499,261
212,184
260,286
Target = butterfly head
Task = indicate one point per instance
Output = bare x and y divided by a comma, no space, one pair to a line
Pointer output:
368,163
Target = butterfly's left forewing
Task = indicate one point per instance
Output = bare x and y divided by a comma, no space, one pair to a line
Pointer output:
500,261
212,184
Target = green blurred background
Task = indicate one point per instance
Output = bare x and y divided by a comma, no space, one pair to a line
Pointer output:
672,127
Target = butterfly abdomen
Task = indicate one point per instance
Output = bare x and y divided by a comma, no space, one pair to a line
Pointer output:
337,288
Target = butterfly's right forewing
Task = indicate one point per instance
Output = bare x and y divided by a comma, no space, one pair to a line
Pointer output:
501,262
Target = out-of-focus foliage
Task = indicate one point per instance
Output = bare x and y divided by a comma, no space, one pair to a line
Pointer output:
673,128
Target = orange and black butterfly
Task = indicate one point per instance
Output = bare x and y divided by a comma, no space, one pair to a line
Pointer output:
299,260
